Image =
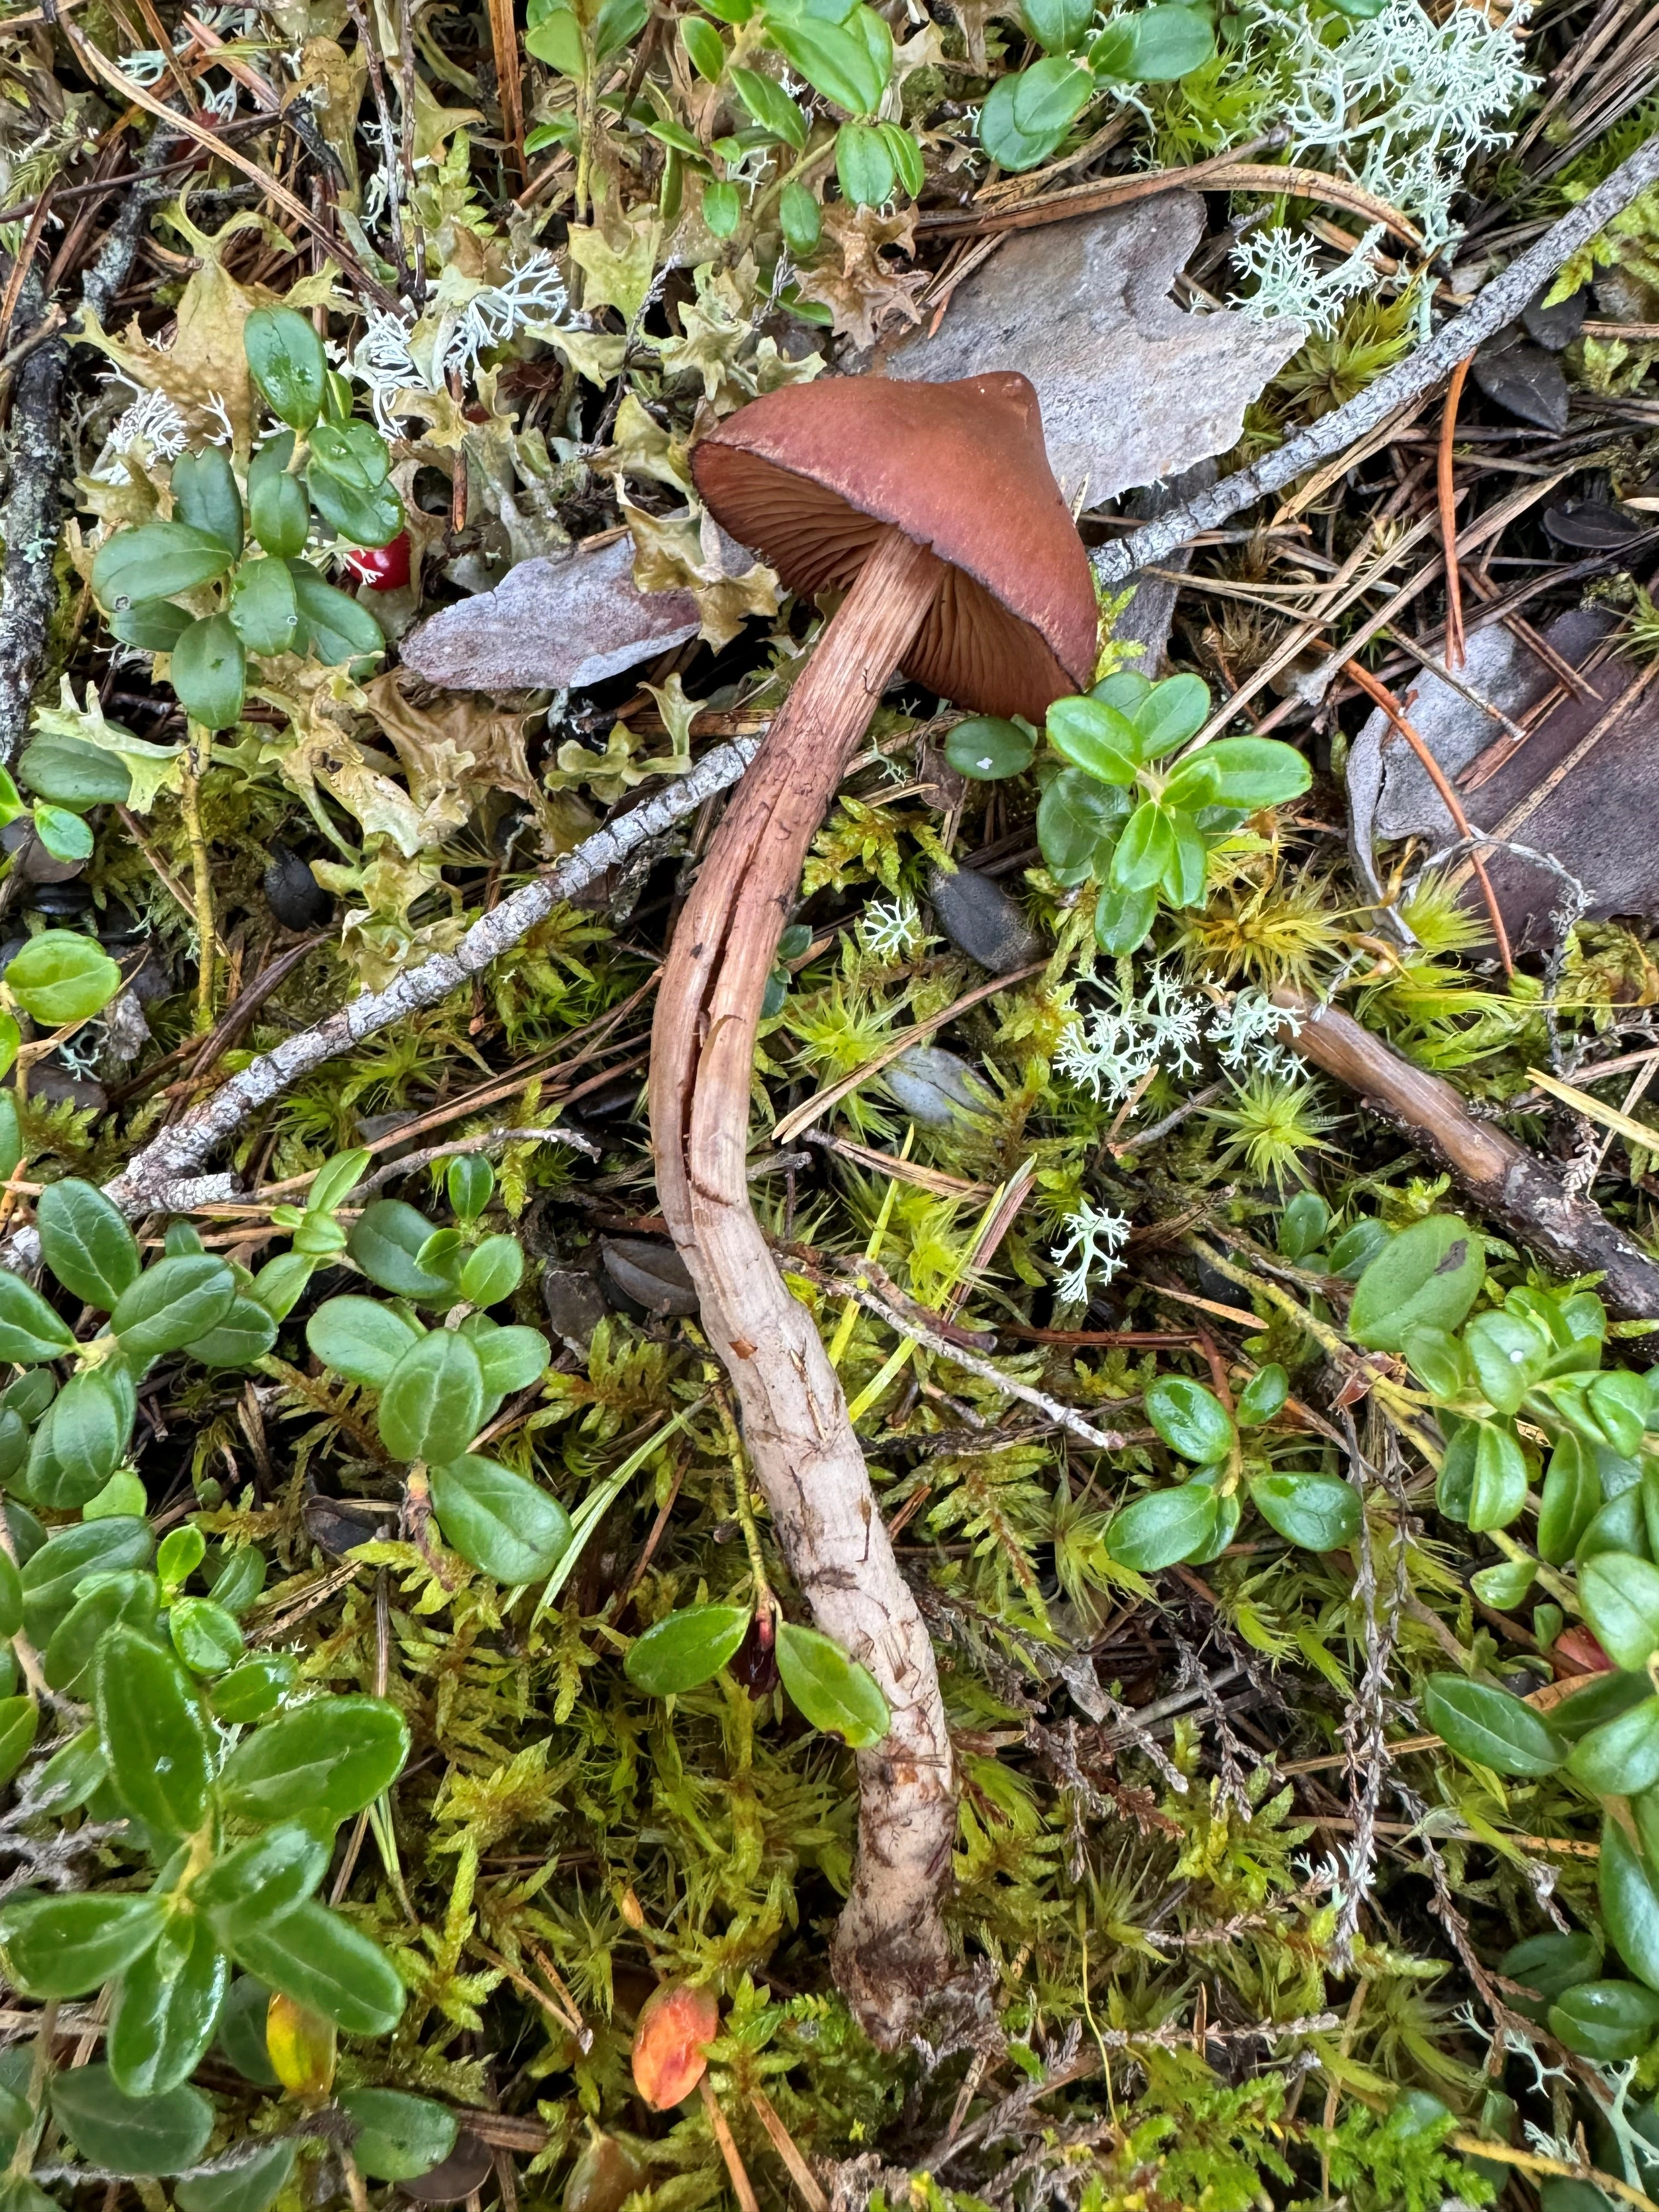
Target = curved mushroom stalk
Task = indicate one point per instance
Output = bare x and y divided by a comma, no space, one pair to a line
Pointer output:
891,1949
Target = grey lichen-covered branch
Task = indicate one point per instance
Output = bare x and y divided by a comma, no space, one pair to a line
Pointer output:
1497,303
179,1153
33,509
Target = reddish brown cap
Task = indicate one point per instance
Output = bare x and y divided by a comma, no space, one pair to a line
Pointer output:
808,475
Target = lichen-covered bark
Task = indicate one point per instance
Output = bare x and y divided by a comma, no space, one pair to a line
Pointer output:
890,1951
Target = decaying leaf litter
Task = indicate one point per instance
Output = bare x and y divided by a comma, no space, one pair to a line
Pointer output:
1195,1160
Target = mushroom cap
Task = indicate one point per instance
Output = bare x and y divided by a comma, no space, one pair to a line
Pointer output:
810,474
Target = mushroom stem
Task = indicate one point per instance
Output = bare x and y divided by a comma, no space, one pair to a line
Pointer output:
890,1951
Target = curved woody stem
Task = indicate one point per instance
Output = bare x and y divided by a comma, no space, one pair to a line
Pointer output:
890,1951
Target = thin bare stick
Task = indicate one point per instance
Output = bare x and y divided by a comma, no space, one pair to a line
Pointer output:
1500,300
1375,689
1445,484
177,1153
789,2151
1503,1179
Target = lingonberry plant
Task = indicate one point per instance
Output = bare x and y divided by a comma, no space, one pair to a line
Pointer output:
1114,814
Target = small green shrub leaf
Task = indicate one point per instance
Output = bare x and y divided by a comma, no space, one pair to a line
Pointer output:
1490,1726
836,1692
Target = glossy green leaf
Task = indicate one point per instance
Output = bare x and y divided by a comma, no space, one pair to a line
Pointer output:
153,562
360,1338
1431,1273
64,836
250,2186
1570,1499
397,2137
836,1692
62,1947
29,1329
1499,1491
166,2006
799,219
492,1271
1092,735
864,166
205,496
1144,850
171,1303
128,1596
255,1688
279,514
286,361
20,1721
331,624
512,1359
984,748
332,1757
81,1439
1620,1525
1618,1401
242,2019
1153,46
130,2134
260,1881
1167,714
1058,25
432,1403
1162,1527
1122,919
1243,772
86,1242
60,977
263,607
499,1521
319,1959
209,673
244,1335
686,1648
1262,1396
1190,1419
835,61
152,1731
1620,1595
1551,1964
1600,1701
1490,1726
1320,1512
1621,1757
1078,819
204,1636
51,1575
1508,1353
1605,2021
384,1241
1505,1585
364,514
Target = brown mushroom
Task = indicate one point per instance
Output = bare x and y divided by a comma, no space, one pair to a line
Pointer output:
933,507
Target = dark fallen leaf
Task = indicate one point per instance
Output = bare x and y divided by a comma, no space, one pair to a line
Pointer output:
575,1306
1596,819
1527,382
933,1086
1554,328
337,1528
652,1275
455,2178
292,893
1591,524
981,919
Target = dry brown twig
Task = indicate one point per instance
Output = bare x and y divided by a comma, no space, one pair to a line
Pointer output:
1503,1178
